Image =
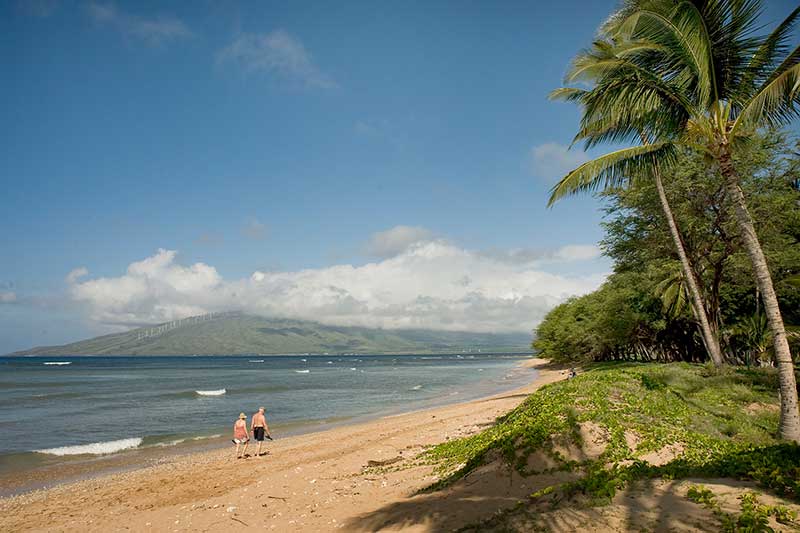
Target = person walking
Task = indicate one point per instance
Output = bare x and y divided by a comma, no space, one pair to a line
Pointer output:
260,428
240,435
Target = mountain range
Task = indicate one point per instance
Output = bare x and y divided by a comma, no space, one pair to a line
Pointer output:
235,333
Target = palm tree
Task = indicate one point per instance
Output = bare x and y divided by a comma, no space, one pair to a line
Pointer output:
587,67
693,74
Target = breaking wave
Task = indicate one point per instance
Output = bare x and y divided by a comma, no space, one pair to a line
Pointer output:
95,448
218,392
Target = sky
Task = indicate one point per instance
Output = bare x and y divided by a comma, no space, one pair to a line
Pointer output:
357,163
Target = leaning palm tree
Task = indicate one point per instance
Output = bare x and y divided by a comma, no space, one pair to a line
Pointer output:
586,67
693,74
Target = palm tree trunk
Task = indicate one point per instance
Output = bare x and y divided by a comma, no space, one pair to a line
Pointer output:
790,417
710,340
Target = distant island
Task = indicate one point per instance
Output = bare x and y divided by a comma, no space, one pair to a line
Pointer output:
235,333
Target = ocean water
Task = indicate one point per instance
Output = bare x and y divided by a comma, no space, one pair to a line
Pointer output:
71,407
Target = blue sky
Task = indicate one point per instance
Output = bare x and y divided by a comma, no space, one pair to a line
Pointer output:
269,137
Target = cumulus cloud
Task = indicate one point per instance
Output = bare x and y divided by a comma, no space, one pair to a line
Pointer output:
77,273
577,252
552,161
396,240
277,53
155,31
432,284
255,230
8,297
538,256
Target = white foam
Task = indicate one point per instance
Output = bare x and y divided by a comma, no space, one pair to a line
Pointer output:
256,361
353,368
304,360
330,362
180,441
95,448
416,387
218,392
302,371
58,363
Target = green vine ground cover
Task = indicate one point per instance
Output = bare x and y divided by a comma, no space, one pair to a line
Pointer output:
722,422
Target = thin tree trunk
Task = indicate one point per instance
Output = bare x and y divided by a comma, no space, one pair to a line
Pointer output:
709,339
790,417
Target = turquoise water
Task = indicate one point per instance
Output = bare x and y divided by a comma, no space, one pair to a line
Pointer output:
96,406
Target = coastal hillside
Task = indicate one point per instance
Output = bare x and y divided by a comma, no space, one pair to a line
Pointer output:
236,333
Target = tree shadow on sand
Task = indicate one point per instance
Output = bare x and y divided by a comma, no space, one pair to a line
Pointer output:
494,497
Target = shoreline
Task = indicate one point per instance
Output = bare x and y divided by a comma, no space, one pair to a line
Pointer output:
29,473
201,478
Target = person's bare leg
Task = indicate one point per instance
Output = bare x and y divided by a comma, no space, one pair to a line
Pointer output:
237,450
244,452
259,448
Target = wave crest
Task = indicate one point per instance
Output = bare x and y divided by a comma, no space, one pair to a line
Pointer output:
95,448
218,392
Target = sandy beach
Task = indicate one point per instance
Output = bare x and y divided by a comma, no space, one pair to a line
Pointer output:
313,482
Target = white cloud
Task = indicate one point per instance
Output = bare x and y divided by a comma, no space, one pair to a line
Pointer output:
76,274
396,240
432,284
538,256
255,230
577,252
552,161
8,297
152,31
277,53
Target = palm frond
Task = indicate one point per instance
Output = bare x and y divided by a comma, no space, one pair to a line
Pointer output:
776,103
605,56
569,94
775,45
613,169
678,28
673,293
733,28
631,101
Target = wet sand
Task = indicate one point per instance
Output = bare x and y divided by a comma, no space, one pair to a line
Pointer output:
313,482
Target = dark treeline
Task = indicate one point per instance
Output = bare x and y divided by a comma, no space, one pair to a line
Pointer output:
642,311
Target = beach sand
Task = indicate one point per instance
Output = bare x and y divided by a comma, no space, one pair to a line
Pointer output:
313,482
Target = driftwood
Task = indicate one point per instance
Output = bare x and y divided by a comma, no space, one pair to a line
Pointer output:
385,462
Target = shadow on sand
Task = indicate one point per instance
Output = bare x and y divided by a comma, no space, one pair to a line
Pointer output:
494,499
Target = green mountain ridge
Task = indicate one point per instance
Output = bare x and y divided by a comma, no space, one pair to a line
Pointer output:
240,334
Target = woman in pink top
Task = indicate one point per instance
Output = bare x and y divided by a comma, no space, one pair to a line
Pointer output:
240,435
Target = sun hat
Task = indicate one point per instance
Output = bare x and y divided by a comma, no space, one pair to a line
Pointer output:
243,416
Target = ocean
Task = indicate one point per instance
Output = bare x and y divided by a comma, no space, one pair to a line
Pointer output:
73,411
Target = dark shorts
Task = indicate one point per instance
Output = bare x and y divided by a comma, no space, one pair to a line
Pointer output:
258,434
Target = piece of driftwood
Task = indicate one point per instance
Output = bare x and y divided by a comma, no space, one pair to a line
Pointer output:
391,461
